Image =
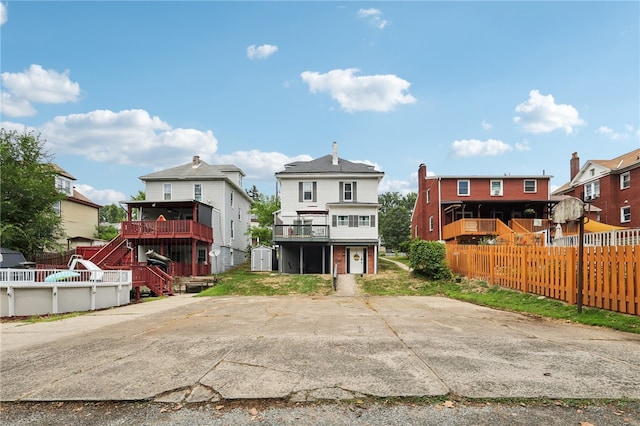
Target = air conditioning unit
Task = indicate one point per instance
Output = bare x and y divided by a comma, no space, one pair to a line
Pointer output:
588,197
496,192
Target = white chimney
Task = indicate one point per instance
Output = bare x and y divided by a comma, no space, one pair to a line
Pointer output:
196,161
335,154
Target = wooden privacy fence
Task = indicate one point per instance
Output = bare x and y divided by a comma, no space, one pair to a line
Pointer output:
611,275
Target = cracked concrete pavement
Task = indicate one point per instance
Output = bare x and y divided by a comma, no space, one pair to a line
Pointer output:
189,349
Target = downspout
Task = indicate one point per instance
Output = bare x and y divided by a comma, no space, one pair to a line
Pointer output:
439,210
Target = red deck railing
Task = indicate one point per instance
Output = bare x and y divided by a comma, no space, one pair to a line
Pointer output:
167,229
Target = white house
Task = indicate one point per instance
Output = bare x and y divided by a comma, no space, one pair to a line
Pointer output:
217,186
328,220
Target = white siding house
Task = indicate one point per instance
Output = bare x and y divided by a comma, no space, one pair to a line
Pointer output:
218,186
329,216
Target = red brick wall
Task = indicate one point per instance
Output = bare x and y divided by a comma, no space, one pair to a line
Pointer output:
340,258
423,210
512,189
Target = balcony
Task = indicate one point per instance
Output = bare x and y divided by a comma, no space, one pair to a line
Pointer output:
156,229
301,233
465,228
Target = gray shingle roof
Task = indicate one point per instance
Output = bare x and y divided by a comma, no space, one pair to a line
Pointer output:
188,171
325,165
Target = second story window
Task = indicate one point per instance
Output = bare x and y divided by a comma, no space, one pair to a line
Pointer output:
430,223
496,188
307,191
625,180
347,191
530,185
233,230
57,208
231,199
364,221
343,221
592,190
428,195
166,190
464,188
197,192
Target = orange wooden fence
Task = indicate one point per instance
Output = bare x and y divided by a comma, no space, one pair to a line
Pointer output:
611,275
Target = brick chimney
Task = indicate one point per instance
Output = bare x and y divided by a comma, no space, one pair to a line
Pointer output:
575,165
334,160
422,174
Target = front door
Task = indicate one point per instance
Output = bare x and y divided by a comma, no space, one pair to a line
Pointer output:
356,260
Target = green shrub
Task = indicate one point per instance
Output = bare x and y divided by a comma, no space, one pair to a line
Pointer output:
428,258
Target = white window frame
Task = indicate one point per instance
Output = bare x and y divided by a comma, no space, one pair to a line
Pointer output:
166,191
232,233
307,189
535,186
57,208
197,191
624,212
64,185
496,192
428,195
592,190
625,180
342,220
430,223
468,182
364,221
347,191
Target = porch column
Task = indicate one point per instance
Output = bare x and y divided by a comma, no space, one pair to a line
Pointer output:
323,260
331,266
194,257
301,260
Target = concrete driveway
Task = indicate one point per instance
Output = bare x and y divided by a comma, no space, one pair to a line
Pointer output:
188,349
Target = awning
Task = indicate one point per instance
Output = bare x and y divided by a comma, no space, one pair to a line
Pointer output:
595,226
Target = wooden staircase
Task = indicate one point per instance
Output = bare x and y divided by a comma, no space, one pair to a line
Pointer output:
115,255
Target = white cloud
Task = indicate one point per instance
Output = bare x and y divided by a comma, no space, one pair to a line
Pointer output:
540,114
257,164
360,93
261,52
127,137
3,13
612,134
476,148
101,196
486,125
373,16
36,84
523,146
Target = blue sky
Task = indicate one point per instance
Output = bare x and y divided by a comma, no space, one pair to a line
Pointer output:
121,89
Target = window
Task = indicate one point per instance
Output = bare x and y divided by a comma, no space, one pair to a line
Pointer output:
167,191
428,195
625,180
530,185
347,191
231,199
353,221
239,214
197,192
625,214
343,220
430,223
233,230
364,221
64,185
592,190
592,172
57,208
496,188
464,187
202,255
307,191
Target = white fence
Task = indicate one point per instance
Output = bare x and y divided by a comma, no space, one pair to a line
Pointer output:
622,237
27,292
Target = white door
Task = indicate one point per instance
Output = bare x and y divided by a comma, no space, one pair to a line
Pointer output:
356,260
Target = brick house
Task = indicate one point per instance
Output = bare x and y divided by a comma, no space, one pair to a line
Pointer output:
610,187
328,217
465,209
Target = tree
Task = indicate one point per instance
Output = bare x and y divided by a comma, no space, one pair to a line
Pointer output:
112,213
29,223
263,209
395,219
253,193
140,196
106,232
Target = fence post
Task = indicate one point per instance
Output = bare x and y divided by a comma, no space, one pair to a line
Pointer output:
570,274
492,264
523,269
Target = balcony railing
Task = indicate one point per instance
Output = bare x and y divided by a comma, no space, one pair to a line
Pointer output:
474,227
167,229
300,233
